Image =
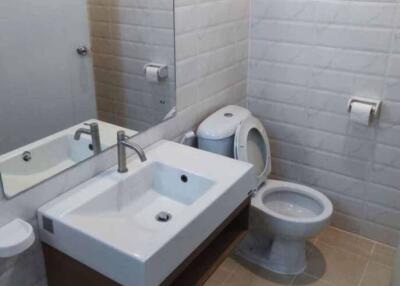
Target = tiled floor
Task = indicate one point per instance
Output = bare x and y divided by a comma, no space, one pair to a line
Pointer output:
335,258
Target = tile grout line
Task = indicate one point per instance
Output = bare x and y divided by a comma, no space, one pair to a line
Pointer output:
363,274
366,265
294,279
372,251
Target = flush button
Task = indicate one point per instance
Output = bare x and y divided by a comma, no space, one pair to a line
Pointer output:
228,114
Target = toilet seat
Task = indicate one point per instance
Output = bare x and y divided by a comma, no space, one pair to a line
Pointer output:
252,145
275,186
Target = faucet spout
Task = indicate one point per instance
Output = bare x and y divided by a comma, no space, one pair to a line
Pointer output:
122,145
81,131
94,132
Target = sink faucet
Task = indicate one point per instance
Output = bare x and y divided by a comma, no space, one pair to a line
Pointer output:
94,132
122,144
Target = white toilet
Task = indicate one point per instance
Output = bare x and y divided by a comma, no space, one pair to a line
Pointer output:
283,214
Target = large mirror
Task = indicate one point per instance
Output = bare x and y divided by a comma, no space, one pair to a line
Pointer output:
73,73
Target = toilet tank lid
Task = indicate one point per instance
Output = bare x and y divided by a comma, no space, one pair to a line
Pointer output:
223,123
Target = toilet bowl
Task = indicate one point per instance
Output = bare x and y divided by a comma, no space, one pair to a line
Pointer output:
283,214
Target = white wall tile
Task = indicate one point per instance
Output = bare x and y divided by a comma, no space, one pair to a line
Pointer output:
307,58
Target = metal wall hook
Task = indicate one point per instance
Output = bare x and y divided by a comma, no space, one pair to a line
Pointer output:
82,51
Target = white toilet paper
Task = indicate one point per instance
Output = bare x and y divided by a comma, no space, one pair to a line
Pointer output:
152,74
361,113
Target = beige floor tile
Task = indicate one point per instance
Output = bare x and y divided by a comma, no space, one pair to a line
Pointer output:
212,282
250,275
335,265
230,264
308,280
220,275
376,274
383,254
346,241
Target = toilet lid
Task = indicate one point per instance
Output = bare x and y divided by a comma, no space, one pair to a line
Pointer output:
252,145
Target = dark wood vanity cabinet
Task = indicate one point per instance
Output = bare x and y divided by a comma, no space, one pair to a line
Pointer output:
194,270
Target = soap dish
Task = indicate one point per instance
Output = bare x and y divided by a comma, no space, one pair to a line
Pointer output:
15,237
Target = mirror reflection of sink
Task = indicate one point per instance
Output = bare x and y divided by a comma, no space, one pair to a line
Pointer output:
137,227
19,172
31,164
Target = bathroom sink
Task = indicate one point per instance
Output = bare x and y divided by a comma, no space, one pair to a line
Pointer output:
49,156
137,227
156,193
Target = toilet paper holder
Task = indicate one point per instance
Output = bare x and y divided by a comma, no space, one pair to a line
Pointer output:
375,103
162,70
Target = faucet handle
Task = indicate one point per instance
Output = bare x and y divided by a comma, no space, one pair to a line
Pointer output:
121,136
93,126
90,124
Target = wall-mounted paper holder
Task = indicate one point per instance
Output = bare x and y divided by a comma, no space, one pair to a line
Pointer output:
155,72
375,103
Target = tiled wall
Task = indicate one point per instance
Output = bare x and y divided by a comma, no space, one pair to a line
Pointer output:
38,65
307,58
126,35
206,81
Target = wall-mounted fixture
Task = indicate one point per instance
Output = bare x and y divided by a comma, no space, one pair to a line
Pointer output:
155,72
15,237
364,110
82,51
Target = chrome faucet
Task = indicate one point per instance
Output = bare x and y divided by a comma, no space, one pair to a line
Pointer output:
122,144
94,132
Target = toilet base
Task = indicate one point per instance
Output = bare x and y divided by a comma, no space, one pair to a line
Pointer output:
280,255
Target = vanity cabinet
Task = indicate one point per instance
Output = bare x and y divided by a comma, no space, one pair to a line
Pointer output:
194,270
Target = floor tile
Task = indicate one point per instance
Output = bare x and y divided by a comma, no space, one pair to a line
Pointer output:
335,258
211,282
220,275
250,275
335,265
383,254
346,241
307,280
376,274
230,264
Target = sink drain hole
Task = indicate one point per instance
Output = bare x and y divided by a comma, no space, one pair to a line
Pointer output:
163,217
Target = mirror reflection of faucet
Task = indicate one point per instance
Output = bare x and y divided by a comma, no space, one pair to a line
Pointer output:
94,132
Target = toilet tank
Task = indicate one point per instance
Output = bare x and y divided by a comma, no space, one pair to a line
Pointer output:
217,132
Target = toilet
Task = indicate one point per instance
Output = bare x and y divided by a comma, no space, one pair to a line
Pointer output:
283,214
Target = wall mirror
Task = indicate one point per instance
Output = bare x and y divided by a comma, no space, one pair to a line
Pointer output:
73,73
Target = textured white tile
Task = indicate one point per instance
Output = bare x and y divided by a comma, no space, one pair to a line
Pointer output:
306,59
360,13
287,10
273,30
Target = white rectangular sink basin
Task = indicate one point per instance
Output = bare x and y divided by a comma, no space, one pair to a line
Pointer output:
50,156
137,227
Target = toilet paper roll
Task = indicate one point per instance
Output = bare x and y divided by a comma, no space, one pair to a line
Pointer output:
152,74
361,113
